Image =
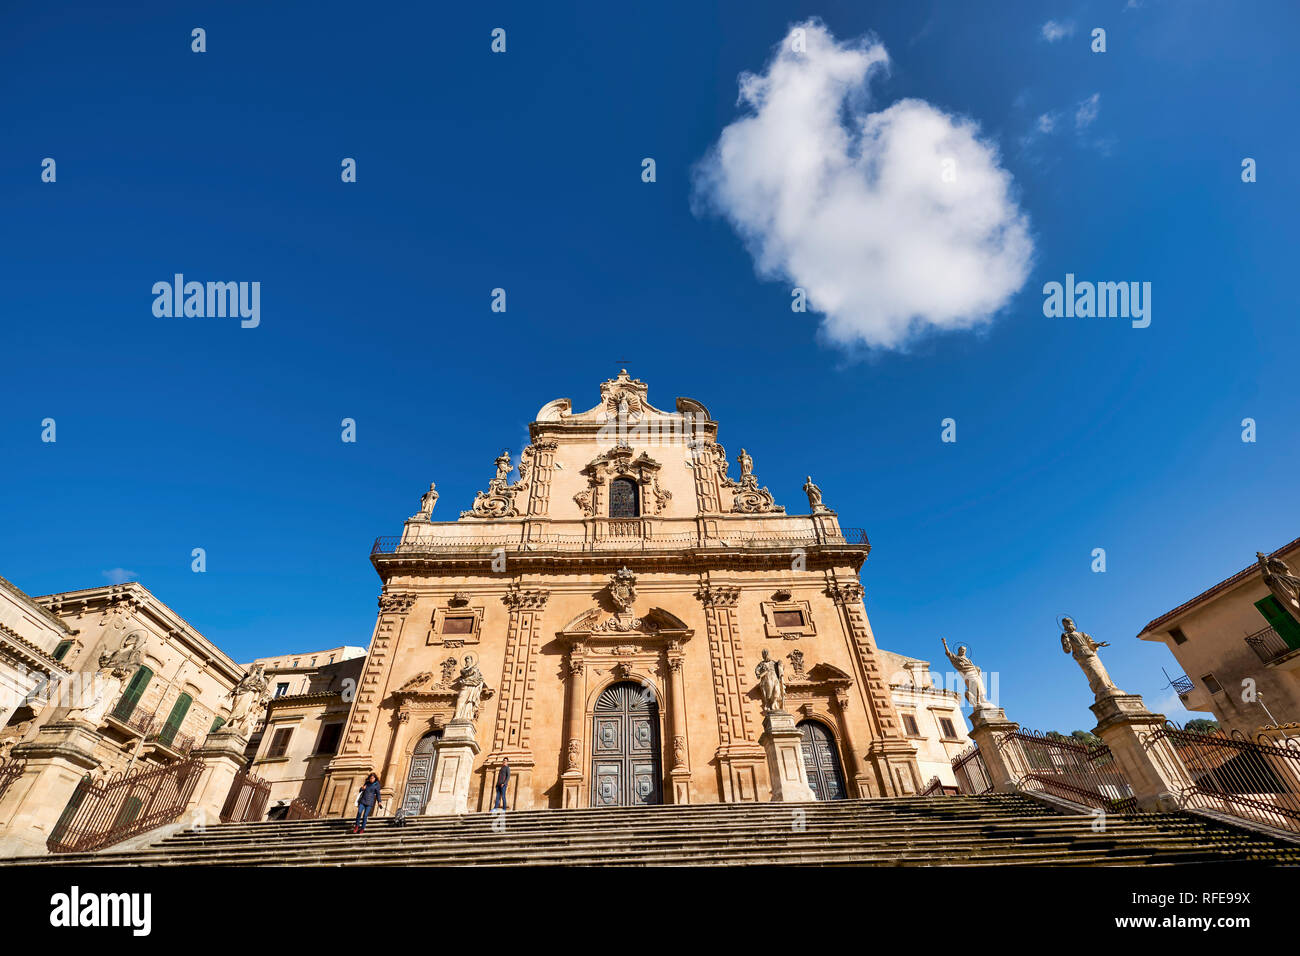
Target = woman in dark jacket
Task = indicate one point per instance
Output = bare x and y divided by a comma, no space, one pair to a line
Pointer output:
367,800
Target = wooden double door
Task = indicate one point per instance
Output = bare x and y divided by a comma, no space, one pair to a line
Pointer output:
419,777
625,762
822,761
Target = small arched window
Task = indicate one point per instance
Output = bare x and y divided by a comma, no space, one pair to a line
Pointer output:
624,498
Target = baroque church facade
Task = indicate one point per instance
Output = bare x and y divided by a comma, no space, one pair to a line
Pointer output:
617,597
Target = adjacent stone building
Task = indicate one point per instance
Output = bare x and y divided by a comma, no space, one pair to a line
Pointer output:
617,592
1238,644
310,697
931,715
33,643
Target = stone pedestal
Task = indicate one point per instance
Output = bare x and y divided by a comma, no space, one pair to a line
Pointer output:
454,769
784,746
223,757
1152,767
57,758
988,726
894,761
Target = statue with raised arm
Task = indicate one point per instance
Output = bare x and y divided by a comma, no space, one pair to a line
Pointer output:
1083,649
469,687
976,695
1284,585
771,684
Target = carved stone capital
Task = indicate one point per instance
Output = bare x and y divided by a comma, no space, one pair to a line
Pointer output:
521,599
845,593
396,603
718,595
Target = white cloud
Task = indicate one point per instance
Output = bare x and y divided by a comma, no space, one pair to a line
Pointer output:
1054,30
854,207
1046,123
119,575
1087,111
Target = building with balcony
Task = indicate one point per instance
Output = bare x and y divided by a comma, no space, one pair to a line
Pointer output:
1238,647
617,588
931,715
33,643
310,697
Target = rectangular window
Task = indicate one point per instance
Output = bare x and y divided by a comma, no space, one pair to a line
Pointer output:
948,729
280,742
1286,626
909,725
281,690
329,738
1211,684
458,625
61,651
1177,634
787,618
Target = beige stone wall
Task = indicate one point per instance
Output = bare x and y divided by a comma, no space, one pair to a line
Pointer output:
912,687
531,562
29,636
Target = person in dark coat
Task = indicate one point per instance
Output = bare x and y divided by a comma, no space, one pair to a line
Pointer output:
367,800
503,778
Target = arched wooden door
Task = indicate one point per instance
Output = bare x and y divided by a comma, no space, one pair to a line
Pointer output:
419,778
625,748
822,761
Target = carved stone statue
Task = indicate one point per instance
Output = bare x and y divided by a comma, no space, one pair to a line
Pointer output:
1083,649
470,686
1284,585
503,472
771,684
976,695
746,464
248,699
106,683
427,501
814,497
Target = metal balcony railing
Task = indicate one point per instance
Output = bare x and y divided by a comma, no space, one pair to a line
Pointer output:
1268,644
619,538
1183,685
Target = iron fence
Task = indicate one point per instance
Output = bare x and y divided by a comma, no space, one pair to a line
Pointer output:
1254,780
971,773
246,801
300,809
1069,770
621,535
937,787
10,770
99,815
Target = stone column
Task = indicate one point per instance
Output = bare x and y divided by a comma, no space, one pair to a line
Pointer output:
987,728
1151,766
223,757
57,758
575,694
680,774
784,746
854,763
453,769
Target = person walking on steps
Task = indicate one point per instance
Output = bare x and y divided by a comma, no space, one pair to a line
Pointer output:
503,778
367,800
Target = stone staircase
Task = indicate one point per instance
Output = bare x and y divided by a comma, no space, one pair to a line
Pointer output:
994,829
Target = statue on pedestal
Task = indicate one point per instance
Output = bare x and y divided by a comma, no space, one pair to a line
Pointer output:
470,685
976,695
1083,649
427,501
248,699
771,684
814,497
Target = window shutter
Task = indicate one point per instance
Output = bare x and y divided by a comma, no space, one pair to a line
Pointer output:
174,719
131,696
1281,621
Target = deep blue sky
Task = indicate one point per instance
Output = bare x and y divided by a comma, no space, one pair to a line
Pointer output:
523,171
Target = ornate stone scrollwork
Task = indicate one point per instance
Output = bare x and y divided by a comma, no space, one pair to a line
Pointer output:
712,595
524,600
679,751
396,603
574,753
845,593
499,501
748,497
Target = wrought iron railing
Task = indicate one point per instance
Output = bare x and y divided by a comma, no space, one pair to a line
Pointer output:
127,804
1182,685
178,742
10,770
1254,780
1269,645
621,540
138,721
300,809
971,773
1069,770
937,788
246,801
